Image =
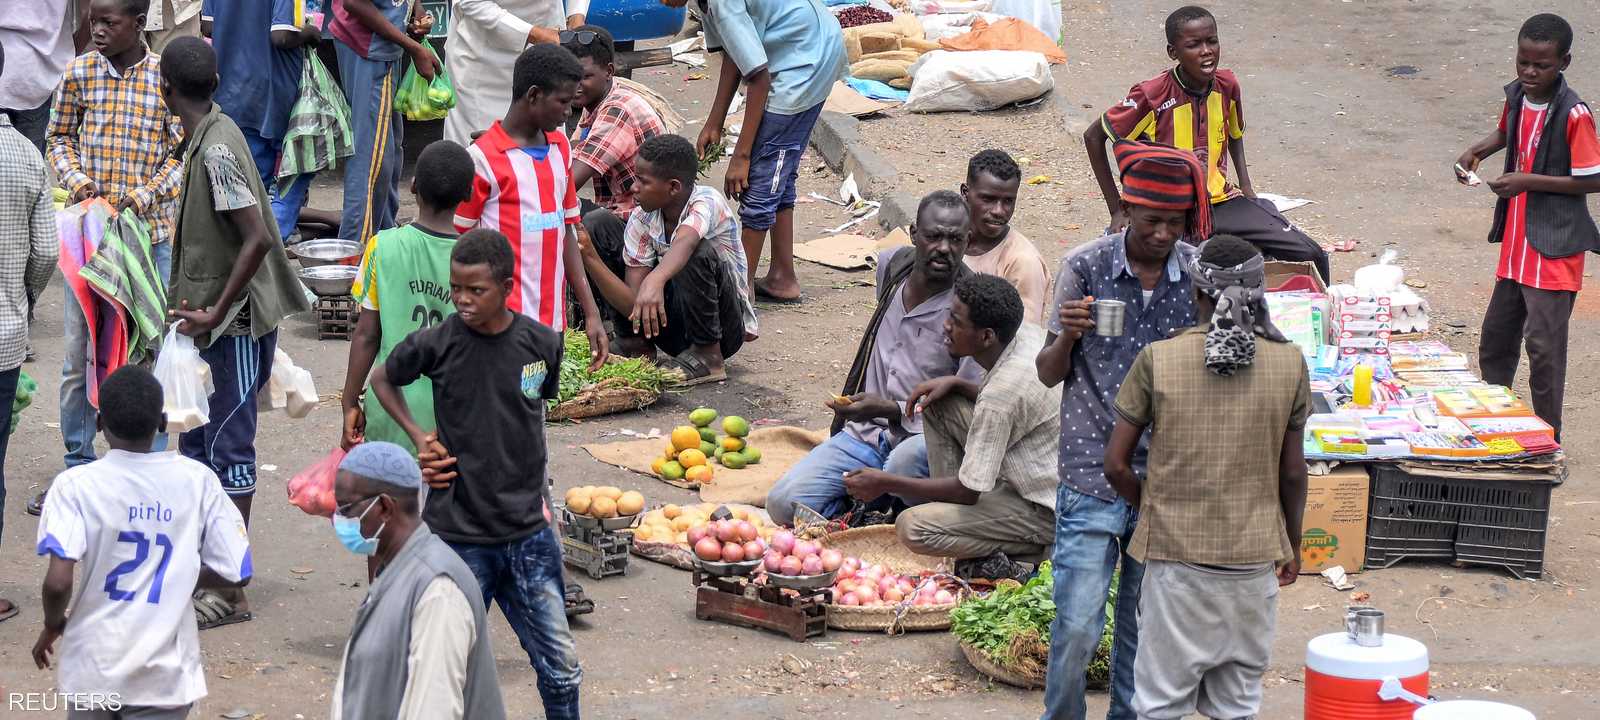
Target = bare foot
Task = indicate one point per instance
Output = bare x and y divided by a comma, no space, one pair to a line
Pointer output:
712,357
778,289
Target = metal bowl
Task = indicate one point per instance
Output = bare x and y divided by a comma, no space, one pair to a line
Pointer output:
723,569
330,280
612,523
317,253
802,582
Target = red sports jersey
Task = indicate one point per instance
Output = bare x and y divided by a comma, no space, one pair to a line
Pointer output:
1164,110
527,194
1519,261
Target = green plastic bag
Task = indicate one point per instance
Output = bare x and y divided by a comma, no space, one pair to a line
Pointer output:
419,99
26,387
319,134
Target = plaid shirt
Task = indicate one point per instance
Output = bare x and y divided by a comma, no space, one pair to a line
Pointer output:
646,239
114,131
608,142
1211,495
28,244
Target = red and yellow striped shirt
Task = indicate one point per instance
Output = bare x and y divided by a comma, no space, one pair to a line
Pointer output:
1163,110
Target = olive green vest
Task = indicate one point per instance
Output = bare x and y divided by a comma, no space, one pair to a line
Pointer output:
207,244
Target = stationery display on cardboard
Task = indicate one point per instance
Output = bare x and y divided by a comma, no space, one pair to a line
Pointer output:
1381,398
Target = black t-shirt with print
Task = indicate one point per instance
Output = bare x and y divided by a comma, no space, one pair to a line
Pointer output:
489,395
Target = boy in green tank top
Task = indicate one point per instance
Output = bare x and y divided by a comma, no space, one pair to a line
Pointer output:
404,286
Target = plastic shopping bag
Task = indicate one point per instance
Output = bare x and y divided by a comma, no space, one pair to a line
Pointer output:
185,382
302,393
420,99
311,489
319,133
290,388
26,387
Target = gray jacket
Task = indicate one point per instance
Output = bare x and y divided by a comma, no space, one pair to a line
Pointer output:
375,658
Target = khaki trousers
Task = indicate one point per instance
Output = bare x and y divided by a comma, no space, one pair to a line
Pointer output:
1001,520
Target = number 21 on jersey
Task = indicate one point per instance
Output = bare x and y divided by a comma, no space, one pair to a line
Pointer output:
141,553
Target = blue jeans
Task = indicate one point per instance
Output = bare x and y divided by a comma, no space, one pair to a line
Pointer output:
525,576
780,141
372,174
1090,536
8,395
285,204
817,481
31,122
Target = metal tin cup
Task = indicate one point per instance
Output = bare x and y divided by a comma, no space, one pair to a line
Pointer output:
1108,316
1364,625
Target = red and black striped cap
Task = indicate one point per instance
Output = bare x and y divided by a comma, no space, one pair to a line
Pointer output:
1165,178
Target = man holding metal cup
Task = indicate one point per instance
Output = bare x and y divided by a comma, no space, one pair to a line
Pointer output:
1114,296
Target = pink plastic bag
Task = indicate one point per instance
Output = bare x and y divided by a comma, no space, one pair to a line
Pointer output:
311,489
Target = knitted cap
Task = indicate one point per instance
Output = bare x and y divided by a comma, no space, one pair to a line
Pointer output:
1165,178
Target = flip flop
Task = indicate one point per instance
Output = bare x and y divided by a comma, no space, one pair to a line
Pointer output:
212,610
693,368
8,614
763,293
35,507
575,601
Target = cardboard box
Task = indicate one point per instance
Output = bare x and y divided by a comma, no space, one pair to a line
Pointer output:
1280,271
1334,531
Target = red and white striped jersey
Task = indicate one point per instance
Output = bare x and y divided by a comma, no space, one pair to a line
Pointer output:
527,194
1519,261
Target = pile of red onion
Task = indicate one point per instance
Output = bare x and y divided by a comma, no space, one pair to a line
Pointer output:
861,15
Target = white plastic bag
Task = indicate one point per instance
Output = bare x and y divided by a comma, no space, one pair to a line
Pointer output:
937,7
185,382
978,80
939,27
290,388
1042,14
302,395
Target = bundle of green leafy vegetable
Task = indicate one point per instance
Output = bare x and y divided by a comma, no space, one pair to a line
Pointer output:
713,153
1011,627
630,372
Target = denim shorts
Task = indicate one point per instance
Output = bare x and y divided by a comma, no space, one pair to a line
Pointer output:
780,142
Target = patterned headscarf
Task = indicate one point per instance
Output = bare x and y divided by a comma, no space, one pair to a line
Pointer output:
1241,312
1165,178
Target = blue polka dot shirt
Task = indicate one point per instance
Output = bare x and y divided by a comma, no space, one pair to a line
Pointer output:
1100,270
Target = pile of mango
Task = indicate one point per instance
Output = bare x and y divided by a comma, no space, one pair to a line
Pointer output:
692,448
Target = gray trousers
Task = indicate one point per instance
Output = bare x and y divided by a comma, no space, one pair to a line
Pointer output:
1205,638
1521,315
1000,521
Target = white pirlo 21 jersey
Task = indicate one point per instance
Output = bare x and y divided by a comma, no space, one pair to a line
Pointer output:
139,526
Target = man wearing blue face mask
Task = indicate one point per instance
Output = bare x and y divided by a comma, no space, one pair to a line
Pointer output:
445,669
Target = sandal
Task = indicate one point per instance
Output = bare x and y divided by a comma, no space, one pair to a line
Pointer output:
9,613
35,506
695,371
575,601
212,610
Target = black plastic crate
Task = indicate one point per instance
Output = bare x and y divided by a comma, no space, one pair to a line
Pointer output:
1483,522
